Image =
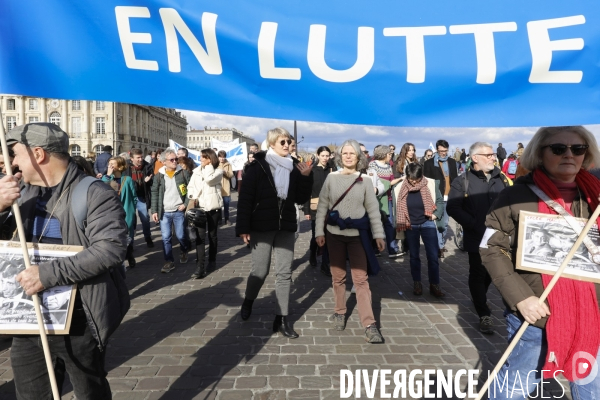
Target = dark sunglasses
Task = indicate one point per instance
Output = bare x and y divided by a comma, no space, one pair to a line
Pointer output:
366,152
171,159
559,149
283,142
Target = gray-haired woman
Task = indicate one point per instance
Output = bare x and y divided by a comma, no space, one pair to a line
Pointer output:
346,197
274,183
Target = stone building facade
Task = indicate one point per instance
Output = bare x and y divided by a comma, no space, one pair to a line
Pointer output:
198,139
92,125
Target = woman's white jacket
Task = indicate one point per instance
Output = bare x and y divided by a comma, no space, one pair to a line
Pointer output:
205,186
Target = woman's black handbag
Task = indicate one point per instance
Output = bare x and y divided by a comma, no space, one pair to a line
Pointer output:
196,217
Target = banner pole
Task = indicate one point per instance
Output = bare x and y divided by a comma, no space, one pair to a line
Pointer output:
542,298
36,300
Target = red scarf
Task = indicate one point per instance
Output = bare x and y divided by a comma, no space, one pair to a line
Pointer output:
402,216
574,324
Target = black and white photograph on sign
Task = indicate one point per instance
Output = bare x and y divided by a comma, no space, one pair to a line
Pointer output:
17,314
544,242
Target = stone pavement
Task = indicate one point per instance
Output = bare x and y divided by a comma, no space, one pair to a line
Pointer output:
184,339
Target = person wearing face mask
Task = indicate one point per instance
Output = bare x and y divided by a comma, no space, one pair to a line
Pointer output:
470,198
225,184
267,220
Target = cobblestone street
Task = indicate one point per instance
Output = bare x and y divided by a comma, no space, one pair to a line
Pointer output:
184,339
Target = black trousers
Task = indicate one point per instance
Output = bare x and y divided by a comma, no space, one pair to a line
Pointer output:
76,354
198,235
479,282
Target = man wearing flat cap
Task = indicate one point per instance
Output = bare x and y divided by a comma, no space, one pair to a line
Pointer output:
49,178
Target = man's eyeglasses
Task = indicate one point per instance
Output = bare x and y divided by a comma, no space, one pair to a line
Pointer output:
171,159
559,149
283,142
488,156
366,152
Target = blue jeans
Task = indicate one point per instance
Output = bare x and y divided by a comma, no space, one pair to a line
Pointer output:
142,211
226,201
427,232
441,234
390,232
529,356
176,218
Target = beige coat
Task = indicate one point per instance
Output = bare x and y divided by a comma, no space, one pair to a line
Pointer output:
205,188
227,174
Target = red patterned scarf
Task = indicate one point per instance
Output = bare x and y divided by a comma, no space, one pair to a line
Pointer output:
574,324
402,216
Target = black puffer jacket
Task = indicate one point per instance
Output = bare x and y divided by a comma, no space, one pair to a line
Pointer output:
319,175
471,210
258,205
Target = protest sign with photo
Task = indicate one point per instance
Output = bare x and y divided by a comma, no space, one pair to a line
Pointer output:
17,314
544,242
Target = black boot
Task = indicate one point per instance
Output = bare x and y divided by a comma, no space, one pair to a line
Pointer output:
200,272
246,309
313,258
281,325
326,269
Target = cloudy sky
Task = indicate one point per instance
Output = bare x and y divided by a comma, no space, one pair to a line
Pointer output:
318,134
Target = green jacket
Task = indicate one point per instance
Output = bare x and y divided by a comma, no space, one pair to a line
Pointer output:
128,199
182,178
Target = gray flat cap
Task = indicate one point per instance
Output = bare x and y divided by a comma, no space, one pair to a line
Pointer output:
46,135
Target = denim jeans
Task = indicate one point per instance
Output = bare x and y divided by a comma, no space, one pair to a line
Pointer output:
226,201
76,354
177,219
390,232
441,234
142,210
314,247
529,355
427,232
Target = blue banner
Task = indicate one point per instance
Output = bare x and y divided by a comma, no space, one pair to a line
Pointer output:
387,62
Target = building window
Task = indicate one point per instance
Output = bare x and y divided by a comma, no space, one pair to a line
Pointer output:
11,122
10,104
75,150
34,119
100,126
76,105
55,118
33,104
76,126
98,149
99,106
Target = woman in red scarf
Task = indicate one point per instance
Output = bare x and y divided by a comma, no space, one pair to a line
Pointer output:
419,205
564,335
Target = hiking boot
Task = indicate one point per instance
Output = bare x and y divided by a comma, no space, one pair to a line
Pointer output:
486,325
417,288
183,258
436,291
168,267
338,321
372,334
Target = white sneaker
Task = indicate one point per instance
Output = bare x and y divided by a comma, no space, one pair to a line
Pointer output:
353,290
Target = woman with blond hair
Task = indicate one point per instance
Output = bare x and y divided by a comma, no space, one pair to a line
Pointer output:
348,198
124,185
567,324
274,183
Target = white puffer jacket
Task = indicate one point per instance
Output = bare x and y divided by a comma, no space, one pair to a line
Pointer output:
205,186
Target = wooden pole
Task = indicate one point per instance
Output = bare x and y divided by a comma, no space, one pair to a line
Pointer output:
542,298
36,300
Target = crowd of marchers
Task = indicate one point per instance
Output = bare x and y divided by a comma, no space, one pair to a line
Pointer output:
362,205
